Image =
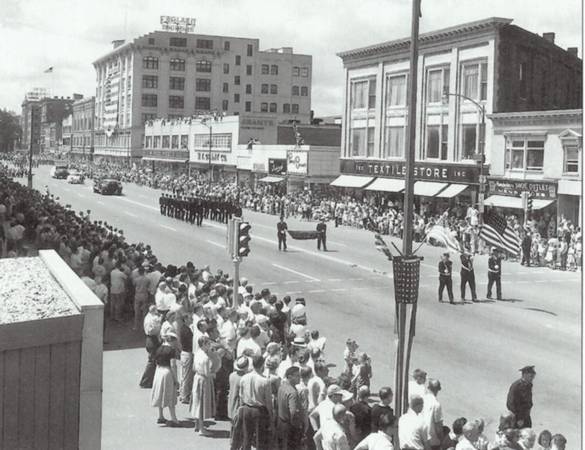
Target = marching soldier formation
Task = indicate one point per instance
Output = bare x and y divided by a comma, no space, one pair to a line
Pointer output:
194,209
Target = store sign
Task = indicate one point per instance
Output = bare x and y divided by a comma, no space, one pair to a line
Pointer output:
259,167
514,188
442,172
276,166
215,157
255,123
177,24
297,162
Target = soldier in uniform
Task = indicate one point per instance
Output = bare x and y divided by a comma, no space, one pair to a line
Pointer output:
467,276
199,211
520,397
281,228
526,248
161,204
322,234
494,273
445,277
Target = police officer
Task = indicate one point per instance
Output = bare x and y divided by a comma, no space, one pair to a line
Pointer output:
199,211
161,204
467,276
520,397
281,228
322,234
445,277
526,247
494,273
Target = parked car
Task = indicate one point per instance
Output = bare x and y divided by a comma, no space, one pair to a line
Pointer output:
75,177
60,171
108,187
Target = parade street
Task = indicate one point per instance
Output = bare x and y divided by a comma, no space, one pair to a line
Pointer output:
349,294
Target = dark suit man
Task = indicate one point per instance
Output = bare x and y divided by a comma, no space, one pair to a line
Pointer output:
520,397
526,248
467,276
445,277
494,274
281,228
289,411
321,235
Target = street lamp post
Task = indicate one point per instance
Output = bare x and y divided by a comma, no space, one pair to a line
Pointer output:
481,109
30,151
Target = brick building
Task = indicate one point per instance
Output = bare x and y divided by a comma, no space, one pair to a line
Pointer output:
52,112
83,128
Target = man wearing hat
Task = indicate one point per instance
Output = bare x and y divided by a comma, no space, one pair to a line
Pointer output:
494,273
445,280
281,228
467,275
322,234
520,397
324,410
241,368
289,414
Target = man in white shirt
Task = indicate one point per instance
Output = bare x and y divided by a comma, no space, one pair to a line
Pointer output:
433,415
324,410
411,427
228,331
331,436
470,435
417,385
247,346
527,438
382,439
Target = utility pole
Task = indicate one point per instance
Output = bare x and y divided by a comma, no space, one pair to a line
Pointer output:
210,167
30,151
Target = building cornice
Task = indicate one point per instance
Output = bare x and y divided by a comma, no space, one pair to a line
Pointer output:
560,114
445,34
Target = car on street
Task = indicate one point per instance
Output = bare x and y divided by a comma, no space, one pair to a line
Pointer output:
60,171
75,177
107,186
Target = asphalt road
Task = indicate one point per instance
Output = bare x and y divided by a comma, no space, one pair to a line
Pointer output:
475,350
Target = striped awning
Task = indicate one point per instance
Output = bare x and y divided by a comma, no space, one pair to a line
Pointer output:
428,188
351,181
271,179
386,185
452,190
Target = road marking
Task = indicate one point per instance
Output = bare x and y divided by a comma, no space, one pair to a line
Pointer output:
130,214
336,243
270,283
309,277
215,243
79,194
315,291
338,290
293,292
291,282
99,202
168,228
335,279
139,204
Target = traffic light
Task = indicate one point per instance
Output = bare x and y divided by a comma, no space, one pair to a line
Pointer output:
529,203
243,239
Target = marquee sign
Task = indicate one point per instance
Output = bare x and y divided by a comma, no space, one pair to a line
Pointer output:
514,188
297,161
216,158
440,171
277,166
177,24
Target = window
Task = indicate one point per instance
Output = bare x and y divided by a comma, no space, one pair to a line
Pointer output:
524,154
203,66
248,106
224,105
522,78
362,142
263,107
156,142
202,85
129,82
359,92
437,84
177,64
469,139
295,90
265,69
149,100
205,43
273,89
175,141
273,69
166,142
250,51
437,141
146,117
305,72
304,91
372,94
176,101
296,71
264,89
226,68
202,103
177,83
221,142
150,41
248,70
236,98
286,108
237,80
149,81
178,42
295,108
273,107
184,142
238,60
474,79
248,89
226,87
571,159
396,91
226,46
150,62
147,142
394,142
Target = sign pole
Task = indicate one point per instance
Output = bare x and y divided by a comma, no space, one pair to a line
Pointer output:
235,296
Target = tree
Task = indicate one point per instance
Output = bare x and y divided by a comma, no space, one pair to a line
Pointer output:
10,131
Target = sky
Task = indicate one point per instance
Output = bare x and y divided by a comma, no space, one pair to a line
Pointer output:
70,34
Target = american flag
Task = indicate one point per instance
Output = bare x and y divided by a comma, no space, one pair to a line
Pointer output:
495,231
444,236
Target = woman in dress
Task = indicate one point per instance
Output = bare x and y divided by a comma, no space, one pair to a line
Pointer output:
205,364
165,384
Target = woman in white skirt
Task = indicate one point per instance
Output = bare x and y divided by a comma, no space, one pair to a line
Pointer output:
165,384
205,364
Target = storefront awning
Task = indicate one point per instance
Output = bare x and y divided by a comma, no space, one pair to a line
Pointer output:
351,181
428,188
271,179
569,187
502,201
179,161
540,204
386,185
452,191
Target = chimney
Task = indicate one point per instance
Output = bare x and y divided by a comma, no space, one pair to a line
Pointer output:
550,37
573,51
